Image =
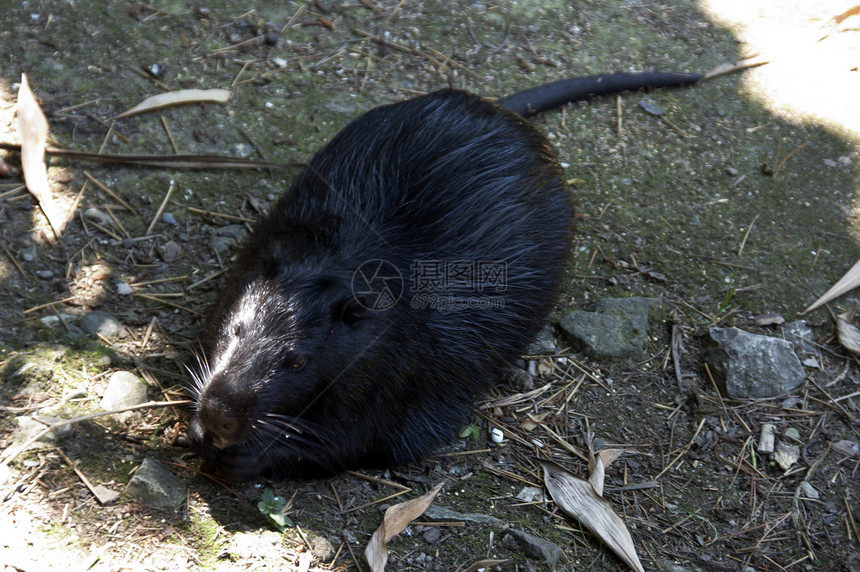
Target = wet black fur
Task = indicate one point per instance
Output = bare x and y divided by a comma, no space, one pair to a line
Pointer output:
320,384
317,383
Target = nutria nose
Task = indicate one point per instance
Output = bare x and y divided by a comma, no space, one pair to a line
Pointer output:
220,424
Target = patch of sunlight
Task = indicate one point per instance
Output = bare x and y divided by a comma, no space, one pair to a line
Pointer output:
814,74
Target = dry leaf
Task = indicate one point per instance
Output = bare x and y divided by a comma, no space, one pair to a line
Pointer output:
34,134
848,282
849,335
597,474
578,499
396,518
177,98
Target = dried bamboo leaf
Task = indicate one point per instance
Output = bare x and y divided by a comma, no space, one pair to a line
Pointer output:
848,282
396,518
597,474
849,335
578,499
177,98
608,456
33,128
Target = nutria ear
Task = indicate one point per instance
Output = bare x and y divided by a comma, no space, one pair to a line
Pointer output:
352,310
272,257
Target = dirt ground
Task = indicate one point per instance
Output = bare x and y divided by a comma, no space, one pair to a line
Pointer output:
741,200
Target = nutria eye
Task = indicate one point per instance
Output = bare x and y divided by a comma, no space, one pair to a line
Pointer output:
237,330
296,364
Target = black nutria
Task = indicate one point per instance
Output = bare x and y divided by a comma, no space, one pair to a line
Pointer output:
410,263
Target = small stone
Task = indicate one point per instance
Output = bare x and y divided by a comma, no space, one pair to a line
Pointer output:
544,344
102,323
618,328
848,448
154,485
731,171
30,426
432,535
800,335
124,389
533,547
748,365
45,274
170,251
168,218
786,455
227,237
124,289
792,433
29,253
105,495
54,319
808,491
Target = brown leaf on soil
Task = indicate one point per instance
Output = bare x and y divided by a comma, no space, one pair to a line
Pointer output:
578,498
33,128
396,518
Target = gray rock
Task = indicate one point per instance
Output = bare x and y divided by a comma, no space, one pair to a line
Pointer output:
618,328
30,426
321,547
124,389
533,547
432,535
435,512
154,485
544,344
169,218
29,253
226,237
748,365
54,319
102,323
799,334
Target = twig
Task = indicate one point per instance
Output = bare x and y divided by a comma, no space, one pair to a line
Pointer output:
683,450
781,163
402,48
220,215
166,303
746,235
161,207
173,161
113,195
15,262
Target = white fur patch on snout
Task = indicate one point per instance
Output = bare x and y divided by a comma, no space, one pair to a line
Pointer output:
244,315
